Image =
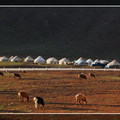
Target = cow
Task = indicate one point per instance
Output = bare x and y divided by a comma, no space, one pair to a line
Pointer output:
38,100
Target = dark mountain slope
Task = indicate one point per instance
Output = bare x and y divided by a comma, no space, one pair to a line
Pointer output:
60,32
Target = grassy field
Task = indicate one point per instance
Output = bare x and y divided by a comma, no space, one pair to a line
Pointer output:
8,63
58,89
28,64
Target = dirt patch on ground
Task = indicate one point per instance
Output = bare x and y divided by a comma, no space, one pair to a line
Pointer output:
58,89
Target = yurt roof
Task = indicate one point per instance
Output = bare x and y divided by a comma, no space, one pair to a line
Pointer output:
104,61
11,57
39,58
52,59
96,61
89,60
114,62
28,58
64,59
3,58
80,60
16,58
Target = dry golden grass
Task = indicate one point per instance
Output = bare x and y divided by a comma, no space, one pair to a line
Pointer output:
58,89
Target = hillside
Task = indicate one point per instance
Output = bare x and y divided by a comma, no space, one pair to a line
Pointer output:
60,32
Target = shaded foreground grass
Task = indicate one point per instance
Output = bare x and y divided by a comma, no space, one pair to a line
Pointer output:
59,117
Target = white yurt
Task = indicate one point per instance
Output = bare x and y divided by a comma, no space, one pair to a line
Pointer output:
16,59
104,61
11,58
89,61
4,58
28,59
52,60
63,61
39,60
95,62
113,64
80,61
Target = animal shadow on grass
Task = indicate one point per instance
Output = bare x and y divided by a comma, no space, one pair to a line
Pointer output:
103,105
108,81
57,77
11,111
62,103
29,79
8,92
114,81
112,105
71,109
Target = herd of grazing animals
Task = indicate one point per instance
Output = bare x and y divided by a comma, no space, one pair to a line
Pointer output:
83,76
24,96
80,98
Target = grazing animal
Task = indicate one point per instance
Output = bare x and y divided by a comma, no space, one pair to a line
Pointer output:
17,75
23,95
1,73
24,71
82,76
80,98
38,100
92,75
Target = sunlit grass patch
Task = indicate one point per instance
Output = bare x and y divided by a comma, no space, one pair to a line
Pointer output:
2,107
115,78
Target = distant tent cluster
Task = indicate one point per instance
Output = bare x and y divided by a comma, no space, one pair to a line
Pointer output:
97,62
64,61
